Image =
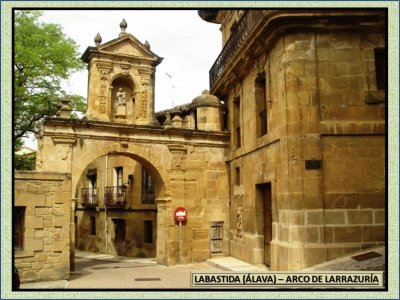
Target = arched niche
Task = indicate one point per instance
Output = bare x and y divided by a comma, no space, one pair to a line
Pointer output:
123,98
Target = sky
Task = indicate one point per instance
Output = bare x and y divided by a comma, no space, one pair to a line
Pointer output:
188,45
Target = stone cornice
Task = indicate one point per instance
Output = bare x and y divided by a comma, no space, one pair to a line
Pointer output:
41,175
277,23
77,129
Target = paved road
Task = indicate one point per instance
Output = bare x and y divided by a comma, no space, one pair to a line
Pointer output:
366,260
131,273
100,271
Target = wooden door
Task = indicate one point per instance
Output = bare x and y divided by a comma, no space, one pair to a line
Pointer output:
265,194
119,227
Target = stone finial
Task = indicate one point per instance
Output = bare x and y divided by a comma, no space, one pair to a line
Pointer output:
97,39
59,105
65,101
123,26
147,45
176,122
205,99
167,122
64,109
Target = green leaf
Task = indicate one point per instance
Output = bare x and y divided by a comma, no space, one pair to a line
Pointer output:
24,162
44,57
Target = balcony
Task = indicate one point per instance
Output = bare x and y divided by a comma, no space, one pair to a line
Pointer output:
246,25
115,196
89,197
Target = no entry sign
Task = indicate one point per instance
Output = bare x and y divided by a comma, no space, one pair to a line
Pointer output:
180,214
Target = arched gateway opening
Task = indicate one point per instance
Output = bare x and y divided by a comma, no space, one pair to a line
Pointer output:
116,205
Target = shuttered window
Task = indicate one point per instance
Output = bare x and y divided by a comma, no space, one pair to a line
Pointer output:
147,187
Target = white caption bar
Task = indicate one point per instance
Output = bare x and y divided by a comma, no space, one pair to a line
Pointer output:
356,279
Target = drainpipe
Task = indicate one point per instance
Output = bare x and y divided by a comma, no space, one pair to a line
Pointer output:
105,206
229,206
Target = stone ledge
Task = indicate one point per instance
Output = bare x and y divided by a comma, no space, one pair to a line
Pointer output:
41,175
375,97
350,128
23,254
60,140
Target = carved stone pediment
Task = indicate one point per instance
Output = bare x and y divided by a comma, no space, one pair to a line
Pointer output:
128,45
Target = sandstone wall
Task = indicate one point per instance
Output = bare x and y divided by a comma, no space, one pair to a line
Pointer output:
188,168
134,244
319,89
354,193
134,212
47,202
198,182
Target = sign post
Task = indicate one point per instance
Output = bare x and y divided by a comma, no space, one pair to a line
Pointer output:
180,242
180,216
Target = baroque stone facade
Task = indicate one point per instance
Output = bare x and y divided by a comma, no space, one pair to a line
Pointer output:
182,150
281,163
121,83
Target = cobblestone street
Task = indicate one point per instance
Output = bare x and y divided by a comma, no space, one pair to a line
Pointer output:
367,260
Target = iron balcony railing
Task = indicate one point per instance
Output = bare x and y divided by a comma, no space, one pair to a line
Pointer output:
89,197
244,27
115,196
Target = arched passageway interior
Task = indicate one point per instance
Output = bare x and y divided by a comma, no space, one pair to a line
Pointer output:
116,211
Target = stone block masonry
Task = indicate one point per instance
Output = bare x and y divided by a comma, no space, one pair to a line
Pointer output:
310,186
45,251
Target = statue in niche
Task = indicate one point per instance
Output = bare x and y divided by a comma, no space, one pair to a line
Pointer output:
121,97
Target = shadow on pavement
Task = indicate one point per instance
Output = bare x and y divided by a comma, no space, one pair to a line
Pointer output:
87,265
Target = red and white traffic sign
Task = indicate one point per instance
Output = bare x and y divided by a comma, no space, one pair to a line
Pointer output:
180,214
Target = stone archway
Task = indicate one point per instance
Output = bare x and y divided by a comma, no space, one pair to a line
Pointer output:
145,157
141,154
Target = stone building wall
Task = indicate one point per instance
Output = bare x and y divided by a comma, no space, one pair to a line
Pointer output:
46,197
323,106
354,194
185,154
100,237
319,165
188,167
133,245
124,65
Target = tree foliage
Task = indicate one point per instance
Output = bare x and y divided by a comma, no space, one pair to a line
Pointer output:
43,57
25,162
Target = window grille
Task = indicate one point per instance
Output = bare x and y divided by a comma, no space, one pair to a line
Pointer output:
216,238
147,187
